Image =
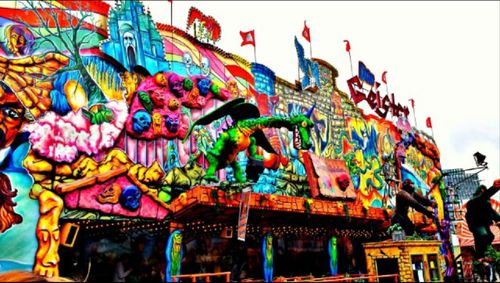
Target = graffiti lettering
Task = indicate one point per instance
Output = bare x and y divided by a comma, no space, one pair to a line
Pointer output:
380,106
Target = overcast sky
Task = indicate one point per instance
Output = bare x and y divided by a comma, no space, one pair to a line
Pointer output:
444,55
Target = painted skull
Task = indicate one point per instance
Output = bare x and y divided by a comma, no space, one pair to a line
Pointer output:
158,98
188,61
141,121
160,79
343,182
130,198
205,66
157,121
176,85
110,194
204,86
173,104
172,123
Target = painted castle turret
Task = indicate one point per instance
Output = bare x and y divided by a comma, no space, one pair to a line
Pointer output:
134,39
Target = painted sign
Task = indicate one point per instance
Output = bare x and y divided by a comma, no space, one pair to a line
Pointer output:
243,216
329,177
380,105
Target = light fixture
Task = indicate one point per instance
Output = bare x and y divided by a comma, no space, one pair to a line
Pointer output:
479,158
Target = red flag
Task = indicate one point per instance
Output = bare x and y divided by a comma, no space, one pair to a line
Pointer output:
171,1
306,33
428,122
347,46
412,103
384,78
248,37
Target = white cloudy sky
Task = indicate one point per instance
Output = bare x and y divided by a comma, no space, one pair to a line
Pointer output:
444,55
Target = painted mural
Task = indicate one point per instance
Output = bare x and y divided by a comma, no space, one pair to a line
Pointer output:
106,121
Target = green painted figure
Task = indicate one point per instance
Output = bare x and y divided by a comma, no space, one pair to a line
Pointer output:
173,254
246,134
332,251
268,255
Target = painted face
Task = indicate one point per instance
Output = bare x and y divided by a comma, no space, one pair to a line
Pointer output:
333,242
110,194
269,241
176,85
177,239
232,86
302,129
204,86
158,98
17,40
160,79
173,104
141,121
11,118
47,234
157,121
205,66
130,198
188,61
129,83
343,182
172,123
128,39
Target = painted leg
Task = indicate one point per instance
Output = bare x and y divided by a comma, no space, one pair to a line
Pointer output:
239,175
213,156
47,233
213,163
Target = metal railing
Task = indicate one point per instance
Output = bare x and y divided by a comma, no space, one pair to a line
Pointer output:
206,276
338,278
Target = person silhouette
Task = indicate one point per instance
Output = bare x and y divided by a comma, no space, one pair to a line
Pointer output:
480,215
405,199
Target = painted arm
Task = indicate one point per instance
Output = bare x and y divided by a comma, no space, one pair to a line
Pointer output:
411,201
252,149
491,191
422,200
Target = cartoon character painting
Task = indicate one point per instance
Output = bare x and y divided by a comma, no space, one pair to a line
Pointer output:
174,255
268,256
332,252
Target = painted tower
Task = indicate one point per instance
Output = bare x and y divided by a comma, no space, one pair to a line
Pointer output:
134,39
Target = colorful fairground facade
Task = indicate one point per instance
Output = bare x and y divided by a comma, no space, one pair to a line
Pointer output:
137,149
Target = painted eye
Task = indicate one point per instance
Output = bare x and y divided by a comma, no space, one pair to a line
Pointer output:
11,114
304,124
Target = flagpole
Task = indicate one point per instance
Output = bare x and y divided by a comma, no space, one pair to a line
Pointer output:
255,52
350,61
310,49
414,114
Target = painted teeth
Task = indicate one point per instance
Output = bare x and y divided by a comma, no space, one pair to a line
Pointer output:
296,138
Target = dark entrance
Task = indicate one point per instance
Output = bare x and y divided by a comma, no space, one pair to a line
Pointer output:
131,57
387,266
